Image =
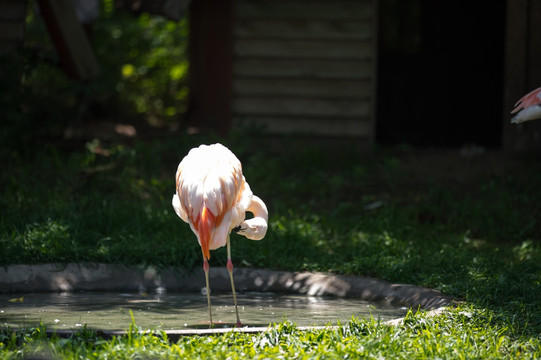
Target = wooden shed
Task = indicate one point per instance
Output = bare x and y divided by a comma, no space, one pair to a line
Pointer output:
288,66
310,66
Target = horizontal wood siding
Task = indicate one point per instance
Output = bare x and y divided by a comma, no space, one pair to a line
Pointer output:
304,106
304,9
305,66
304,29
12,15
335,89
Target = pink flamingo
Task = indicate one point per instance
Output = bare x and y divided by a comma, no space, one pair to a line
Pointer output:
213,197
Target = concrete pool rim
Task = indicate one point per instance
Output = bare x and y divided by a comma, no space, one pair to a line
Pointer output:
73,277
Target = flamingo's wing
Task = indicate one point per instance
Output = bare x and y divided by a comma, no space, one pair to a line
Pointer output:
179,210
533,98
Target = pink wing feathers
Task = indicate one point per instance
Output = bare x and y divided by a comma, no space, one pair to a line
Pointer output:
528,107
531,99
211,194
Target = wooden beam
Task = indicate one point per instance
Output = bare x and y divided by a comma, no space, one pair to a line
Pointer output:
522,73
69,38
211,64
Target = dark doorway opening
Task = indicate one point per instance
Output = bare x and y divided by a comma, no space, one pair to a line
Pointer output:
440,72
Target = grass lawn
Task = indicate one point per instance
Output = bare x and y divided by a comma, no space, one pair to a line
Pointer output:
469,227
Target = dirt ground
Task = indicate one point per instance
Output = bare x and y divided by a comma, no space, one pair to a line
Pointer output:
457,165
451,166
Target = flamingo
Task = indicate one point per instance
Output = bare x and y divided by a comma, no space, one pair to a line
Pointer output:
212,196
528,107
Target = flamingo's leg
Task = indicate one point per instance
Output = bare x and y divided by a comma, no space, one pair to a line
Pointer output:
230,269
206,270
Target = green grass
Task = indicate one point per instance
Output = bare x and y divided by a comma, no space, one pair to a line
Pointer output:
463,333
472,234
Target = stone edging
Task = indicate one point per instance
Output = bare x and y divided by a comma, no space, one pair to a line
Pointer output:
103,277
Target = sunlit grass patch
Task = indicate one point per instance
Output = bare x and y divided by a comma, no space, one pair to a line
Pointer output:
462,332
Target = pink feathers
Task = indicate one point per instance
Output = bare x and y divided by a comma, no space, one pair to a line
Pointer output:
211,194
528,107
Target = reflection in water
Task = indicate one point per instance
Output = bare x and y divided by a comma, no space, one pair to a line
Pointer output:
173,311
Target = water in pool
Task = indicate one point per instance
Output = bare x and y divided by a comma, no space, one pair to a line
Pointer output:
174,311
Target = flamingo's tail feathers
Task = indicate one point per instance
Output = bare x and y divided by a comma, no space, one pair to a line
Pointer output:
205,227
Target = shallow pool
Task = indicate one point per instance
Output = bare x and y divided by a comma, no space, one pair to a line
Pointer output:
175,311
